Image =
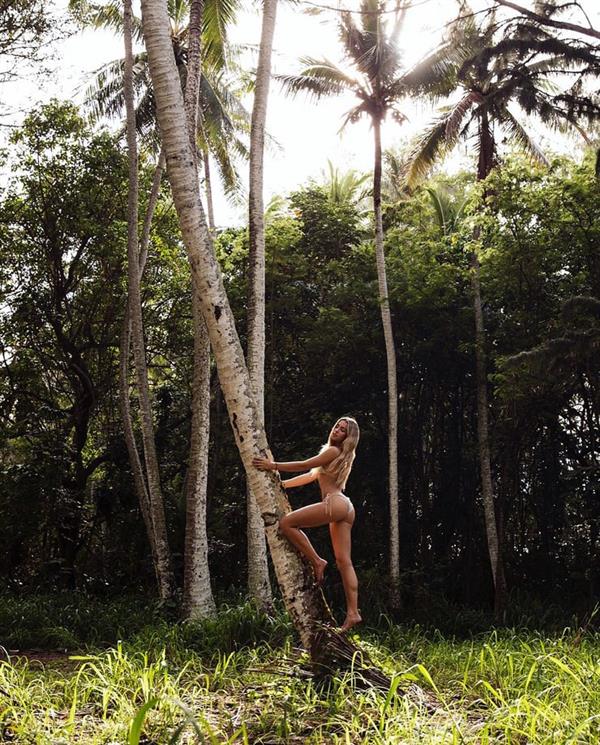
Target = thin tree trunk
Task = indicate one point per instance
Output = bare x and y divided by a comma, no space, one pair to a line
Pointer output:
163,557
302,598
134,458
259,587
485,165
390,350
124,351
198,601
150,209
208,191
483,438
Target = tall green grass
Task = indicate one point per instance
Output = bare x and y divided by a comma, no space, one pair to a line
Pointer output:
240,679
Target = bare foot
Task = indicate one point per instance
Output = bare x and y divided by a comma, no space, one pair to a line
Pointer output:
352,619
320,568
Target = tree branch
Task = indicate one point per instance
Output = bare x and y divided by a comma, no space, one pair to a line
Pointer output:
542,20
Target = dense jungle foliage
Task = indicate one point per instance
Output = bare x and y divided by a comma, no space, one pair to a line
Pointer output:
69,514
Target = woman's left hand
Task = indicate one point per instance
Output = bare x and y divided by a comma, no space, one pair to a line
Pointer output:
264,464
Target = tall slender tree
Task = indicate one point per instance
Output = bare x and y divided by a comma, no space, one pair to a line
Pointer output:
198,601
222,120
258,570
155,504
302,597
380,82
489,83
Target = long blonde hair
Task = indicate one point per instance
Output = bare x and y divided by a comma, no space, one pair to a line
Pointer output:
340,467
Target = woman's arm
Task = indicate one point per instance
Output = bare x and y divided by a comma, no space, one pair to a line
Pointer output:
322,459
305,478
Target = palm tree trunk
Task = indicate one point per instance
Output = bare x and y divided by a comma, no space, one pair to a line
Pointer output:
208,191
483,438
390,351
198,601
135,464
259,587
302,598
485,165
150,209
163,556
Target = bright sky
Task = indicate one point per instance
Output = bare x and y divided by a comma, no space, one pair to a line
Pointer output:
307,132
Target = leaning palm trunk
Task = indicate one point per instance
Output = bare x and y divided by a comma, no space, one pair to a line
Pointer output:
155,500
302,598
198,601
390,350
258,570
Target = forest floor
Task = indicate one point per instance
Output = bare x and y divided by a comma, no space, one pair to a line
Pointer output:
239,678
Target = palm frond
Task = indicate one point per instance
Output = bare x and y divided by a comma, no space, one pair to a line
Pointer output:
355,113
457,114
518,134
439,201
427,149
437,72
108,16
319,78
217,16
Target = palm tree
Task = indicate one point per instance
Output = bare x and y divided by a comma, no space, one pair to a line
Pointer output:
151,501
197,596
488,85
198,601
258,571
379,81
223,122
302,597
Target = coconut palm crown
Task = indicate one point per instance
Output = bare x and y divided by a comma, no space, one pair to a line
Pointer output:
492,76
377,78
222,122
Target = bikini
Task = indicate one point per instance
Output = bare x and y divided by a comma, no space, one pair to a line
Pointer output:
328,507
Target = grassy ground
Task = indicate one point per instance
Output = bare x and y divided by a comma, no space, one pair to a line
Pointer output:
239,679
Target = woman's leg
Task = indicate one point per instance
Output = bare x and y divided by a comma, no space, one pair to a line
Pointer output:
309,517
341,539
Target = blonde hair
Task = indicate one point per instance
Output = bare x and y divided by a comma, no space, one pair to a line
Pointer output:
340,467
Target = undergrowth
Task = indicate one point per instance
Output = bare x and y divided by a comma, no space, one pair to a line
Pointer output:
239,678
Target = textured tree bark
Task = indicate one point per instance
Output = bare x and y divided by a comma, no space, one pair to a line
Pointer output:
163,556
302,598
390,350
208,191
198,601
259,587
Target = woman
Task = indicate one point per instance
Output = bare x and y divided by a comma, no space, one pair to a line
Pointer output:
331,467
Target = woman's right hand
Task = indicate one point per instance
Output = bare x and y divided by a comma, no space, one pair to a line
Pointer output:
264,464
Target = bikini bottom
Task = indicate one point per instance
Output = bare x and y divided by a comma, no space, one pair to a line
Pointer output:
328,506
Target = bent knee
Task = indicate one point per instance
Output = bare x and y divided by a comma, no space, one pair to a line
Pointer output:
284,523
